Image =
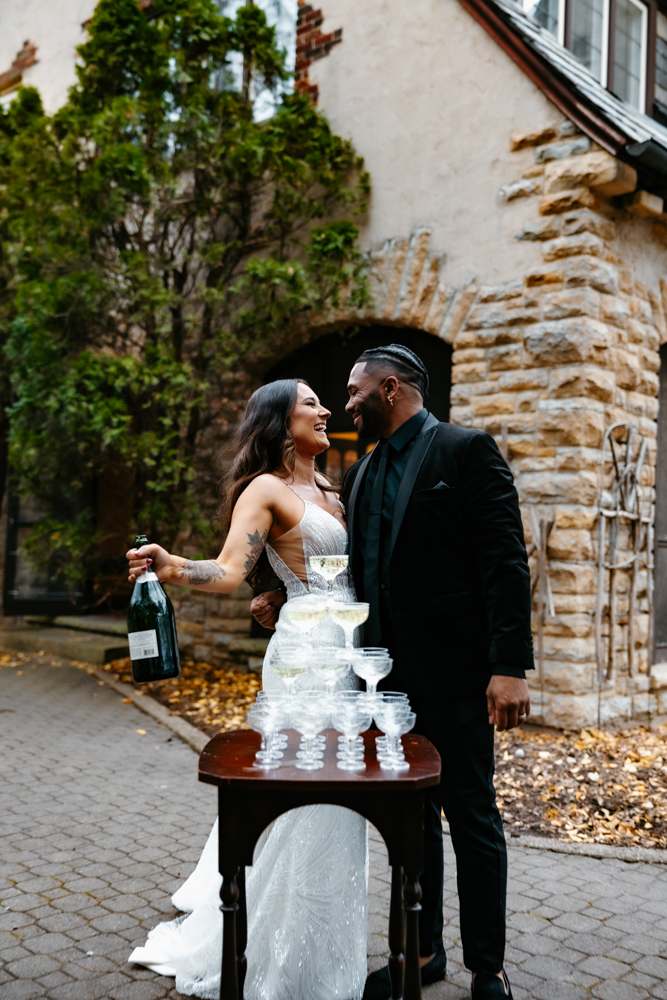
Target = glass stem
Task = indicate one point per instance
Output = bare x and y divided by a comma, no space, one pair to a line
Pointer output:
371,687
309,749
350,746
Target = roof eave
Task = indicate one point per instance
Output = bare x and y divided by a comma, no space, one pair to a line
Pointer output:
549,81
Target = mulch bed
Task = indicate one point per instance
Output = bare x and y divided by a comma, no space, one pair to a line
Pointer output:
594,787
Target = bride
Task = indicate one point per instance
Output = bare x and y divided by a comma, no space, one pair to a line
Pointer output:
306,889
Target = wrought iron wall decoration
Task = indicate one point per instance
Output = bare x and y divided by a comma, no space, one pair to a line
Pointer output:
622,504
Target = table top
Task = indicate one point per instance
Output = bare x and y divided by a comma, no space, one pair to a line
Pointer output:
228,760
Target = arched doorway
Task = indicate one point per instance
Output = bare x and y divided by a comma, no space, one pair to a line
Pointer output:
326,363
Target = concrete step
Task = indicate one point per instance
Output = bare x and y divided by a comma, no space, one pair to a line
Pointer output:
71,644
106,624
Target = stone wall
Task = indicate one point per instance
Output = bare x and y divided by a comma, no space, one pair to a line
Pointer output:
545,363
215,629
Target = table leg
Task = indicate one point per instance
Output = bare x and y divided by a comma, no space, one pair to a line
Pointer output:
229,894
241,933
412,894
396,934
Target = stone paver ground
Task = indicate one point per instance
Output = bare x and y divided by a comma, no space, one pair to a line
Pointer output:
99,824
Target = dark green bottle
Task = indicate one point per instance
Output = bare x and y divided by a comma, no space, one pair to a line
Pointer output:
151,629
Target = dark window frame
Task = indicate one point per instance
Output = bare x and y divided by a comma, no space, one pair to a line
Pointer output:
50,601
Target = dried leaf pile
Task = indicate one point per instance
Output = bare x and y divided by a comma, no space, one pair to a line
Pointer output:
214,699
597,787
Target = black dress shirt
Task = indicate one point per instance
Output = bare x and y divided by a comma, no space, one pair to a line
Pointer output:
400,446
400,443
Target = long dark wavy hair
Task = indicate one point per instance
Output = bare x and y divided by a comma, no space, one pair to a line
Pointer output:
263,443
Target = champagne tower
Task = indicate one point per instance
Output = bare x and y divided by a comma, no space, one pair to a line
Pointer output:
151,629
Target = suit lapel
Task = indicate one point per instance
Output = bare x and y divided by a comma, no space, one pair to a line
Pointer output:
354,493
409,478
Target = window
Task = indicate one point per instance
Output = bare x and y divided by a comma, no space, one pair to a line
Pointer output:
608,37
550,14
660,104
630,52
589,28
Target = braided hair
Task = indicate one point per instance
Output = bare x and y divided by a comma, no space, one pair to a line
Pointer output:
401,360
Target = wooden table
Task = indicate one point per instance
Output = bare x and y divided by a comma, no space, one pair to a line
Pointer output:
249,799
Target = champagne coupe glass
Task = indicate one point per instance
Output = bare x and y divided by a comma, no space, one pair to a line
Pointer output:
270,698
309,715
328,663
351,715
352,696
349,616
394,720
289,663
305,612
371,665
267,722
388,696
329,567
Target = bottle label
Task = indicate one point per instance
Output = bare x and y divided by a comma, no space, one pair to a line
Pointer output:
143,645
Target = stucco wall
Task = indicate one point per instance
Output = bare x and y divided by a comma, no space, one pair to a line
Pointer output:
430,101
55,27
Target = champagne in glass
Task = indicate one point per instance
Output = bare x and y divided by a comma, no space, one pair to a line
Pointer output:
289,664
329,567
349,616
305,612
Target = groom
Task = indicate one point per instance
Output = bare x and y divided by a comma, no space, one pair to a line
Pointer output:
437,550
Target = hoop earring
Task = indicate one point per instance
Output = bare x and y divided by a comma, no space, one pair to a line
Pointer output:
390,399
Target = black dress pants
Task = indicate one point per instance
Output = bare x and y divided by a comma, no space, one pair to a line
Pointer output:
464,739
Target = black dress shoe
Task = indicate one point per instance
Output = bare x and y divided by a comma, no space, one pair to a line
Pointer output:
378,985
489,987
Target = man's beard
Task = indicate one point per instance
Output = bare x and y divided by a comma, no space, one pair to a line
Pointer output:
373,415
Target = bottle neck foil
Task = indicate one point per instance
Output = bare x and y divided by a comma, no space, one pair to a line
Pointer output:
147,577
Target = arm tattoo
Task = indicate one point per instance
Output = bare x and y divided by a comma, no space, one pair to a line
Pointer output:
256,545
201,571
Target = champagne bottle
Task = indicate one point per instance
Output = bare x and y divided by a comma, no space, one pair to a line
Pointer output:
151,629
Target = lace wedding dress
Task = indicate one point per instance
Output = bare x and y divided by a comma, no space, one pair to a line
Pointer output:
306,889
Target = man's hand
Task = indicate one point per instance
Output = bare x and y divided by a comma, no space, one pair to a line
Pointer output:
265,608
508,701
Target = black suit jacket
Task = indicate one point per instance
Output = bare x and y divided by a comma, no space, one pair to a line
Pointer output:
459,583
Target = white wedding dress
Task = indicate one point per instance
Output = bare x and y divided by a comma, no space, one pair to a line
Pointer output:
306,889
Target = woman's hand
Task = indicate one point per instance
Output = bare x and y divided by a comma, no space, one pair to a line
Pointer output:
148,557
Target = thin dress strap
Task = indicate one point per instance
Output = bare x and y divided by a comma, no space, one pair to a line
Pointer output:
292,489
308,501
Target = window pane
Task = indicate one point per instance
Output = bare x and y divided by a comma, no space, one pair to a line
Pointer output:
629,52
545,13
587,29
